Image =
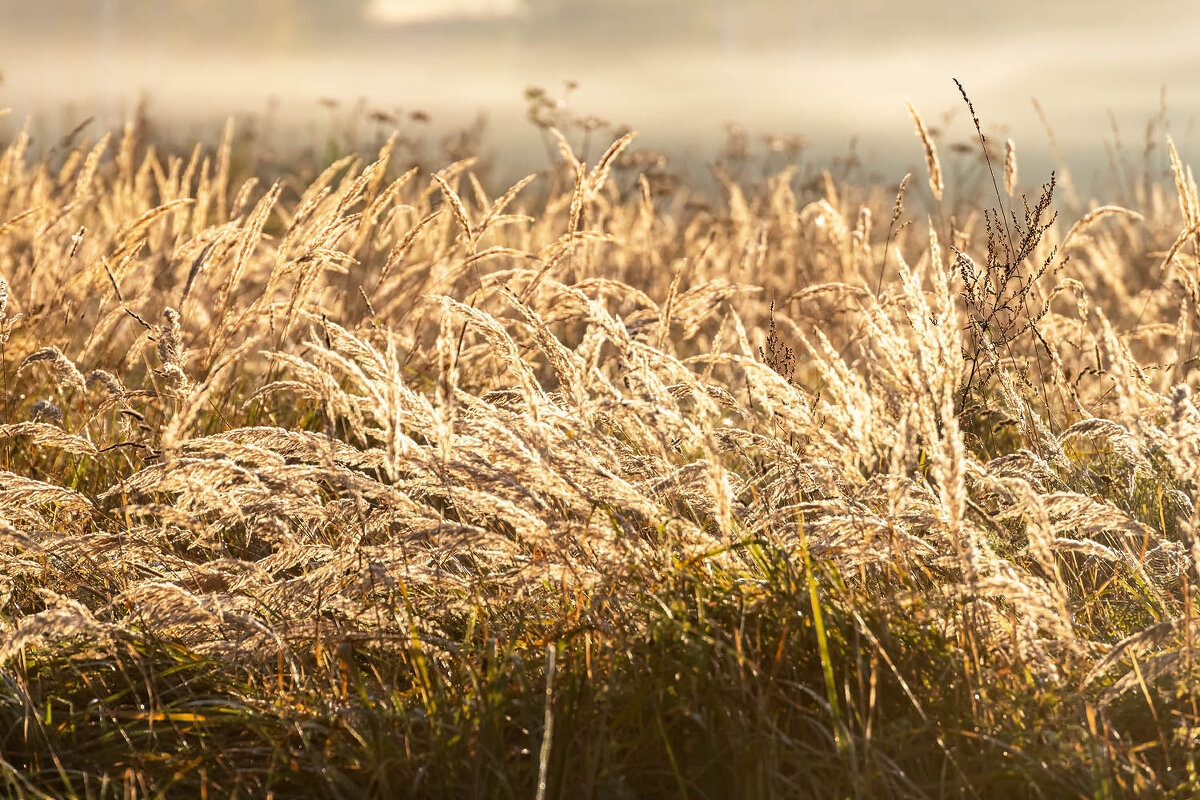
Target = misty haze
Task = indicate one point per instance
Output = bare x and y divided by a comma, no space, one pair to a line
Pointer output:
835,73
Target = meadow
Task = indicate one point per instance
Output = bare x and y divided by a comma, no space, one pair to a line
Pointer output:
372,479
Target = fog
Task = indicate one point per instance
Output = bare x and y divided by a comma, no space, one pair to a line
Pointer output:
836,73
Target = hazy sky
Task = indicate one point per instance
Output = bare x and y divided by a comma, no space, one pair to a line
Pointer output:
409,11
677,70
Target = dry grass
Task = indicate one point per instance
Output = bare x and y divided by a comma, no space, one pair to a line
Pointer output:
310,486
936,183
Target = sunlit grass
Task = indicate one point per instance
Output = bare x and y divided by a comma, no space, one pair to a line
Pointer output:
378,482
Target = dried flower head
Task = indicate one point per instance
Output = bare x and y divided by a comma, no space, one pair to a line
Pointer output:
45,410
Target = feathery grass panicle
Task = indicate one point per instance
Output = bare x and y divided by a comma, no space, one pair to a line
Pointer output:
460,211
63,370
1010,167
1185,187
936,182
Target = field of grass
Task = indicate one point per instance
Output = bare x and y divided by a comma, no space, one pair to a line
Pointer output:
381,482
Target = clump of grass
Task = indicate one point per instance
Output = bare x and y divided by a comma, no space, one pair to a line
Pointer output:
368,484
